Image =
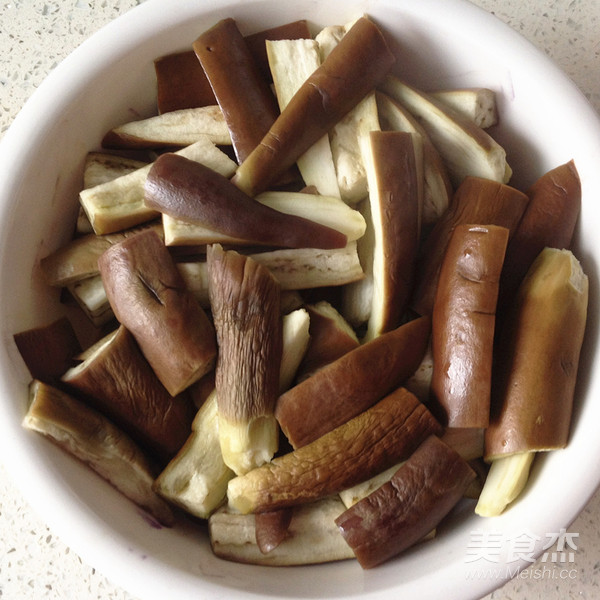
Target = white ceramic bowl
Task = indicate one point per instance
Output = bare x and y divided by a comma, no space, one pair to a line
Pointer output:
545,122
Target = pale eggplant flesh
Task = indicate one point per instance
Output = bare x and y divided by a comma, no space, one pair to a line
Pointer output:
347,75
352,383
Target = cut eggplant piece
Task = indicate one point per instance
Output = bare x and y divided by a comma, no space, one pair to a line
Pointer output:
119,204
294,269
175,128
475,201
245,302
48,350
404,510
548,221
351,384
296,337
181,82
292,62
196,478
331,336
538,358
391,160
190,191
357,298
324,210
476,104
243,94
466,148
78,259
437,188
379,437
346,76
311,538
463,325
117,381
91,297
93,439
504,483
303,268
149,296
101,167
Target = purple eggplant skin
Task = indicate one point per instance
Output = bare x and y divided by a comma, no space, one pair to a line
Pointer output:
150,298
355,66
48,350
120,384
243,94
405,509
271,528
187,190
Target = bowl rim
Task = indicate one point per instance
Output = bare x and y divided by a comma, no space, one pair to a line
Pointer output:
65,82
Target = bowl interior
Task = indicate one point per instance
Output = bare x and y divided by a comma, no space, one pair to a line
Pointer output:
545,122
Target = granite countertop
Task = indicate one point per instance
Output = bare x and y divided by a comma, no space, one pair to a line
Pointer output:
35,35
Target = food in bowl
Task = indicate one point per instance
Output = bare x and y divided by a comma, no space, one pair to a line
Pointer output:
258,253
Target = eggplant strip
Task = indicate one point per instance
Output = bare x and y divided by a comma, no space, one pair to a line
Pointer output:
379,437
463,325
243,94
117,381
346,76
245,300
192,192
548,221
475,201
149,296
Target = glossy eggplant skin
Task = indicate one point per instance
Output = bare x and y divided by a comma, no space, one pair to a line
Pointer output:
182,83
476,200
243,94
463,325
120,384
395,204
351,384
548,221
256,42
538,358
352,70
148,295
192,192
406,508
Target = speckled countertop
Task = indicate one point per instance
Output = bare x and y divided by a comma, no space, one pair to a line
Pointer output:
34,36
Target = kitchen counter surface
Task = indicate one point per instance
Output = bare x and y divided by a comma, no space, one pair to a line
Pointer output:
35,35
